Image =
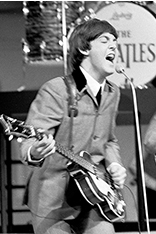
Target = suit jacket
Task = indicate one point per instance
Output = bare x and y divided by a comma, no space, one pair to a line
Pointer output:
93,131
150,136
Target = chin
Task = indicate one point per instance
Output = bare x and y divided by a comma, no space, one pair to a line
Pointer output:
109,74
110,71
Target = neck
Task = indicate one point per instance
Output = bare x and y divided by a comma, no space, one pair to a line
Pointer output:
94,73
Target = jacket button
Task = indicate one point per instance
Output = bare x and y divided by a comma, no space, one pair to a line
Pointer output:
95,137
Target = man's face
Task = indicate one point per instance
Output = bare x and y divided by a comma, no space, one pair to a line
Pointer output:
103,54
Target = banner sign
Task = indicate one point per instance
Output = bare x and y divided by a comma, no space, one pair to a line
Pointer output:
136,28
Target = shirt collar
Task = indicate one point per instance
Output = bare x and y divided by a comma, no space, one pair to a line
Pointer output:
92,83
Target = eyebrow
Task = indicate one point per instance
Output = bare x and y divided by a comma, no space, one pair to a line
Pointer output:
105,35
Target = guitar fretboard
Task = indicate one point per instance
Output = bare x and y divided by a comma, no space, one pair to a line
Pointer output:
82,162
20,129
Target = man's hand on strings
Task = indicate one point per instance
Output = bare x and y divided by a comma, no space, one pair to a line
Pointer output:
43,148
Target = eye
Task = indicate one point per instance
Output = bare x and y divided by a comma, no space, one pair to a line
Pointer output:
104,39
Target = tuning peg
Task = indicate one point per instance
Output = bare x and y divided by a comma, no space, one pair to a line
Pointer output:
10,137
19,139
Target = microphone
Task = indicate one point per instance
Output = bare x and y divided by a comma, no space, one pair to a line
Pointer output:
121,70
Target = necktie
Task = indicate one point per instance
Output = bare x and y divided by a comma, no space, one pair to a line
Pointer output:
98,96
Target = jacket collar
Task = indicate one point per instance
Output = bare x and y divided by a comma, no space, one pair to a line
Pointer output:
79,78
81,82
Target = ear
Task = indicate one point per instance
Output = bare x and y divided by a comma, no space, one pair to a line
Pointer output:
84,52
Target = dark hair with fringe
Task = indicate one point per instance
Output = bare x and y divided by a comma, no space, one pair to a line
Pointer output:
81,37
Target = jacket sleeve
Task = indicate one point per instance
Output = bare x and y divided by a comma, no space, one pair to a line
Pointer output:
45,112
112,147
150,136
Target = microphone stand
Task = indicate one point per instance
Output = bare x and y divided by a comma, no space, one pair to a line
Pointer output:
139,148
64,37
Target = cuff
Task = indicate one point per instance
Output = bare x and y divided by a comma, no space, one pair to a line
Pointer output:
32,161
113,163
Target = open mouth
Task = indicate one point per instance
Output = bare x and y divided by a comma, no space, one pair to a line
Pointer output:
110,57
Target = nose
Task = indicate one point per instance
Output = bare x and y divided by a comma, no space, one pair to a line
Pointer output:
113,45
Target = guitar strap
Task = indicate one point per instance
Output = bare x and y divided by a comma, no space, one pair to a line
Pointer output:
72,104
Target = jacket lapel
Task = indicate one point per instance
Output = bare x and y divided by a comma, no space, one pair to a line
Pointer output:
107,93
81,85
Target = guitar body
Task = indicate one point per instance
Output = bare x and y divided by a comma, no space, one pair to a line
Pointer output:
95,185
97,192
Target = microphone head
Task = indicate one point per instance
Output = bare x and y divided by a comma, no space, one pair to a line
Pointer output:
119,69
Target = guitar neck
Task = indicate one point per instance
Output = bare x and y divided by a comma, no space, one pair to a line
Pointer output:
18,128
75,158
